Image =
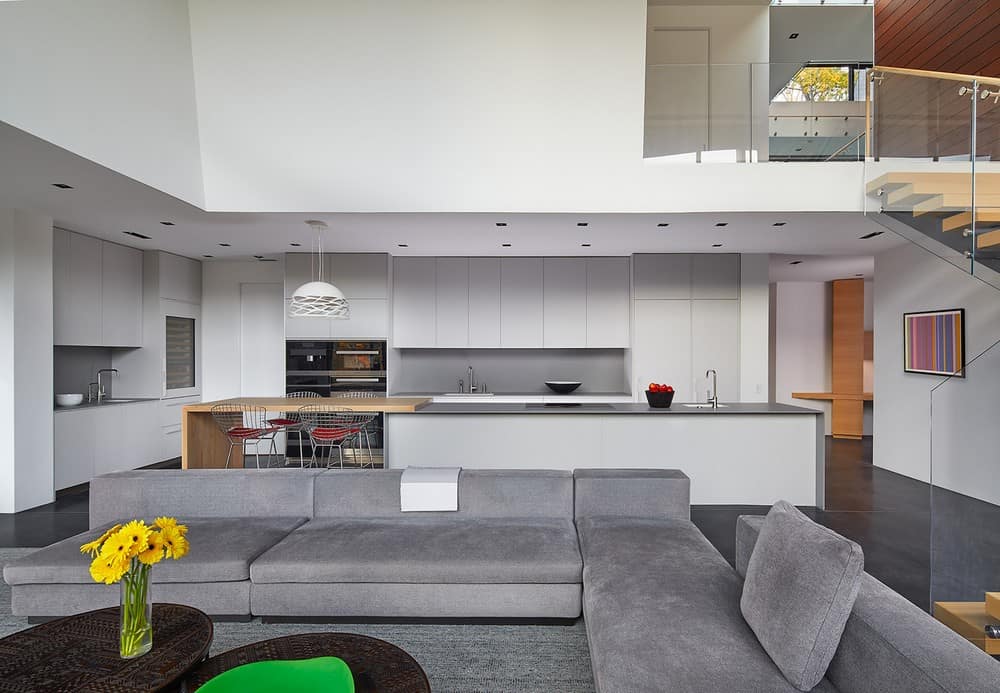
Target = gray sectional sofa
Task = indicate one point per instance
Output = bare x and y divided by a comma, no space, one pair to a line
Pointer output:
661,605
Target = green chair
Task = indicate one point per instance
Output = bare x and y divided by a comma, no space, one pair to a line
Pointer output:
318,675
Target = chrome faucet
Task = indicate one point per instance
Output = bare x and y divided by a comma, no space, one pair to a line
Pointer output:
472,381
101,392
714,399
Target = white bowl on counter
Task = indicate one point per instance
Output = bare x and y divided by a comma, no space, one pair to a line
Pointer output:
70,400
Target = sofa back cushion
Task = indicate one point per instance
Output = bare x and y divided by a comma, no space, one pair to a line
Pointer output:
801,583
481,493
890,645
201,493
646,493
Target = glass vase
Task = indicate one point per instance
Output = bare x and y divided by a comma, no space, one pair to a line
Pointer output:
136,630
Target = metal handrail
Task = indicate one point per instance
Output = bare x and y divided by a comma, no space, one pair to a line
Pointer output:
929,74
842,149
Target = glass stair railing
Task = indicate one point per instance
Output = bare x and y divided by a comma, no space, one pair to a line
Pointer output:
934,163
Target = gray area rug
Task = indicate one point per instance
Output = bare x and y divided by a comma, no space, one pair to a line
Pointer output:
457,658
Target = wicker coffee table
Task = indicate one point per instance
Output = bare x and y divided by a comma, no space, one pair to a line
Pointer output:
378,666
79,654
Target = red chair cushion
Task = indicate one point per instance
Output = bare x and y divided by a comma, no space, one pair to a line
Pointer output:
283,422
333,434
242,432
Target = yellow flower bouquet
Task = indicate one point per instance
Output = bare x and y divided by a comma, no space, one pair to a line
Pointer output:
125,554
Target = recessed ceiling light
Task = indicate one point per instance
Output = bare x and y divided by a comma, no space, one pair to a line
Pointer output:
295,245
794,36
722,223
505,245
258,257
168,223
716,245
795,262
62,186
501,223
404,245
585,245
136,235
208,256
225,245
779,223
267,259
859,275
871,235
663,224
582,223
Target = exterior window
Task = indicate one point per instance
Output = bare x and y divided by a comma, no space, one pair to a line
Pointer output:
180,352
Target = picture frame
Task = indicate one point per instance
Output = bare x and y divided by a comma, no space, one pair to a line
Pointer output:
934,342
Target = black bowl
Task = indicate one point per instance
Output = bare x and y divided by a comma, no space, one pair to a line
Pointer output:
562,387
659,400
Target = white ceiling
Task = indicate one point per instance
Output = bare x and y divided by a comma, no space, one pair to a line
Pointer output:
821,268
104,203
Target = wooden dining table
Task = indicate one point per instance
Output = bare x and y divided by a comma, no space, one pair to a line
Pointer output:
205,446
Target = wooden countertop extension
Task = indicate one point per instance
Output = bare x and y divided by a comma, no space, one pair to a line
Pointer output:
833,396
395,405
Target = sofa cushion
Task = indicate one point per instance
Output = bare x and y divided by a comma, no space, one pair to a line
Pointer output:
662,612
417,549
221,550
802,580
645,493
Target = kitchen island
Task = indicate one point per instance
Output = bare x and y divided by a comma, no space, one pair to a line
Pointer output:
205,446
738,454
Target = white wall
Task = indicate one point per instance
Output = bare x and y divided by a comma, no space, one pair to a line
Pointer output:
222,333
966,437
110,80
26,478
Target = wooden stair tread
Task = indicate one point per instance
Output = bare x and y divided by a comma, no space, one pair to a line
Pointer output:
957,222
989,239
897,179
954,202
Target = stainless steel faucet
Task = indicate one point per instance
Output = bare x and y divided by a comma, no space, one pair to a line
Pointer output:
472,381
101,392
714,399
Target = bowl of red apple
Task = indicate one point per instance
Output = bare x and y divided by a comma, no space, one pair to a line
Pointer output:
659,396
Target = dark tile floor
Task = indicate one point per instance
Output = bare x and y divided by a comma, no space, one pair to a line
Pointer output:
888,514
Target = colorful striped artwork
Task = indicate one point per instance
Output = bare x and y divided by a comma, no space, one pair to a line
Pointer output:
934,342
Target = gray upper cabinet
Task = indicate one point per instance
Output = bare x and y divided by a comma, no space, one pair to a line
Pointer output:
715,276
608,302
484,302
121,296
358,275
452,302
364,280
414,321
565,302
97,292
180,278
521,312
662,276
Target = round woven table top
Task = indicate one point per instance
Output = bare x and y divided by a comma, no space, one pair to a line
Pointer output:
378,666
79,653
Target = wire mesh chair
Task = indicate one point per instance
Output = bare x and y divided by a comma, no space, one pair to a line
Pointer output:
370,424
331,427
243,425
291,423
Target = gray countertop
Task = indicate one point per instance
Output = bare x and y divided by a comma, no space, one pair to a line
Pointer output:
536,393
478,407
91,405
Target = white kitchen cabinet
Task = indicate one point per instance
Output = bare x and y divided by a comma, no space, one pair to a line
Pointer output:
306,328
127,436
180,278
715,276
452,302
358,275
715,339
170,426
662,275
484,302
299,269
76,266
121,295
414,310
74,447
521,311
369,320
662,346
564,300
608,302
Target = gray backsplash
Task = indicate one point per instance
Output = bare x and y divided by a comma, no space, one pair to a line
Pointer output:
508,370
76,366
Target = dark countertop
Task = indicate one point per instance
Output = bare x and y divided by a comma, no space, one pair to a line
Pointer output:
91,405
609,408
536,393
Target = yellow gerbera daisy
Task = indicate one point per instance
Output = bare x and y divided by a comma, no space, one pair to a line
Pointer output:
116,548
108,570
136,533
155,551
94,547
164,522
174,541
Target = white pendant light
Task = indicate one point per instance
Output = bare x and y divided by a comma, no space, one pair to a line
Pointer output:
317,298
